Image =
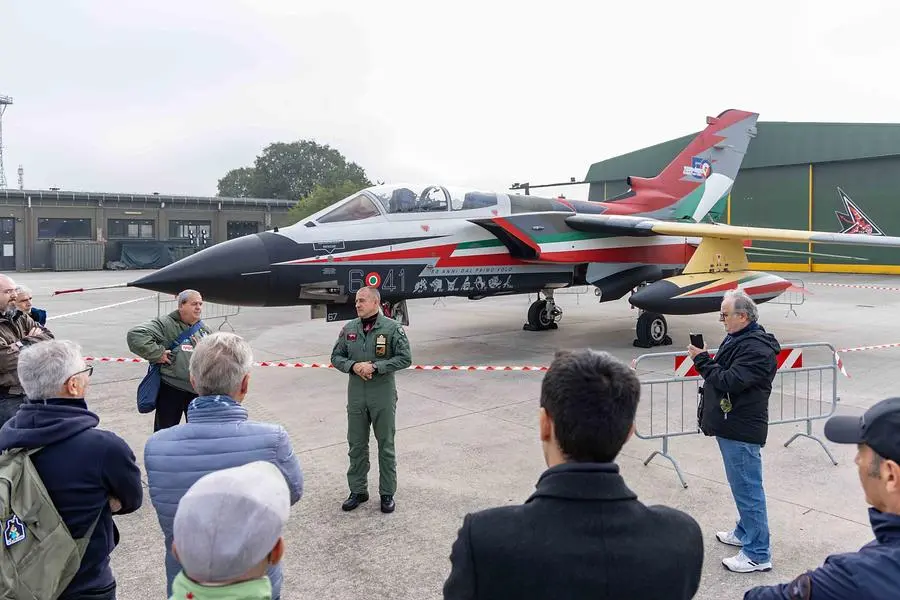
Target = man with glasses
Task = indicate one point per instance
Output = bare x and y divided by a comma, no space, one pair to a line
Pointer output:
88,473
734,407
17,330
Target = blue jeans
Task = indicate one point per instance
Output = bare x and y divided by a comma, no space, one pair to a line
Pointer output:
743,467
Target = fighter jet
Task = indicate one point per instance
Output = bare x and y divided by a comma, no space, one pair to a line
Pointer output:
426,241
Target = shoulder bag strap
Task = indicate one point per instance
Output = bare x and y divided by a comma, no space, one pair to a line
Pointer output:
186,335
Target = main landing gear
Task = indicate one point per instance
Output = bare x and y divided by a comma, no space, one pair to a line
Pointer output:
543,314
651,330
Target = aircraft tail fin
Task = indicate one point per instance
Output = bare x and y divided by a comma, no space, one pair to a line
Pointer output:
697,181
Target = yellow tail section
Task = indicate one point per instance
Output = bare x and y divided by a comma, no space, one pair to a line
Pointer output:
717,255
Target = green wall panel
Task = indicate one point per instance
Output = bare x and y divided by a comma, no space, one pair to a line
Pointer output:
773,197
873,185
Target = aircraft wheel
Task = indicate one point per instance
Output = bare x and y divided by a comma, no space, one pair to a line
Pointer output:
652,330
540,317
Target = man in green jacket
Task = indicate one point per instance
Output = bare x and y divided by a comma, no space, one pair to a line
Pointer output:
151,341
371,348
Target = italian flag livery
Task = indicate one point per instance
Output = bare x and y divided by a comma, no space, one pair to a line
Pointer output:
659,243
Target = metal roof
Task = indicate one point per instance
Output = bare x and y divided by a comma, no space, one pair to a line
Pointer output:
88,196
777,143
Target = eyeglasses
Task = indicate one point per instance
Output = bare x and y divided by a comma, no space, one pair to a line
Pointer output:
722,315
89,371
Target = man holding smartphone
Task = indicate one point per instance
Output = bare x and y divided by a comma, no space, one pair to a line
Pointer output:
734,407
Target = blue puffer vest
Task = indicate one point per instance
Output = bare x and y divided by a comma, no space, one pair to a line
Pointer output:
217,436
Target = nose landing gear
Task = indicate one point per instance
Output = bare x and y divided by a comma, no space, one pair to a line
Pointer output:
543,314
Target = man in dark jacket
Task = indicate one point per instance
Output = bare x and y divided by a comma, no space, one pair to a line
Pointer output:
24,301
582,533
735,409
86,471
874,571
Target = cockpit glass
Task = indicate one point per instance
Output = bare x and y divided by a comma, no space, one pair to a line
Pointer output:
424,198
360,207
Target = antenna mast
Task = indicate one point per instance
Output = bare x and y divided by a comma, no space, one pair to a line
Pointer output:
4,102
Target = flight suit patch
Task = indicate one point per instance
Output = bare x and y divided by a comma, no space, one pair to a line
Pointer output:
380,345
351,337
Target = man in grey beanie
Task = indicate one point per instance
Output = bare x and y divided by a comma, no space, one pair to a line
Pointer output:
227,533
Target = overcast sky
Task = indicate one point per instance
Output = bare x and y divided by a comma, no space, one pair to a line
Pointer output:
167,96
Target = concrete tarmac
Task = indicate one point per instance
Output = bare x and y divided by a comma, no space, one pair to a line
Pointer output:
468,440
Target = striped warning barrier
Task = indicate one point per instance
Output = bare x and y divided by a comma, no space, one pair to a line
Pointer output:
788,358
857,286
302,365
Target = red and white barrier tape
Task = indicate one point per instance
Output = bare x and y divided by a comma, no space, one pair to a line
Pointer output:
858,286
874,347
507,368
300,365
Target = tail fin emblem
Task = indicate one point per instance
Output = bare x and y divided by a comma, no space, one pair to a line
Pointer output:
855,220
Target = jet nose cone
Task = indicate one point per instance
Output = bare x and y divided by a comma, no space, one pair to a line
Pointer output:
232,272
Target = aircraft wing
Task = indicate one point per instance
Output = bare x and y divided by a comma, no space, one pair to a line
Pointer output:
638,226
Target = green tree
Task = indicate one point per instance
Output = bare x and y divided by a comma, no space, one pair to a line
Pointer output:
290,171
321,197
238,183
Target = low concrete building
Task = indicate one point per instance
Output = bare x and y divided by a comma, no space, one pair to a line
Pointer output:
64,230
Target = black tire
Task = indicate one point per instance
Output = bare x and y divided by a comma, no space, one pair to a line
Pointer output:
538,318
652,330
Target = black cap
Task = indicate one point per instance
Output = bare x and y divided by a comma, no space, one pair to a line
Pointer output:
878,428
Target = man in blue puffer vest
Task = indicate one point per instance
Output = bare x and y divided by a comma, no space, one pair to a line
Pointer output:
874,571
217,436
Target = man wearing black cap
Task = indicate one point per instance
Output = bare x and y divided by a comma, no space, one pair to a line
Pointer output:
873,571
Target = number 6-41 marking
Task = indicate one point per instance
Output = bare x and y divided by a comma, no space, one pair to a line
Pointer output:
356,280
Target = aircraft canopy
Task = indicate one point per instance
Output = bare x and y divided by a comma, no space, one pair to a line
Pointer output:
406,198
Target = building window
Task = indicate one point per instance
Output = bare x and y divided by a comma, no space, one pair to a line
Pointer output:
238,229
71,229
198,233
132,229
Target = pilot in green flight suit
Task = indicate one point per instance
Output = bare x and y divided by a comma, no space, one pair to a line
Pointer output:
370,348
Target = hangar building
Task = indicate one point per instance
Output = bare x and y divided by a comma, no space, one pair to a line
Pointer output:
836,177
76,231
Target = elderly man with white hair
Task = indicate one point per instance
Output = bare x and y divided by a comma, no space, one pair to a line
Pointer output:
735,409
217,435
169,341
89,473
25,302
17,330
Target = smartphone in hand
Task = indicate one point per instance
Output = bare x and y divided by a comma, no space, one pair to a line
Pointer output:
697,340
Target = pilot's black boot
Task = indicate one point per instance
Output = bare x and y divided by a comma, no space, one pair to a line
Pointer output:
354,500
387,503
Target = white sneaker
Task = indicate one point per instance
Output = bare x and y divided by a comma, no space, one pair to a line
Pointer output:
728,537
742,564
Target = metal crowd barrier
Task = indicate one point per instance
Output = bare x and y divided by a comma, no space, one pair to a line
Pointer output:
211,311
792,297
801,393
